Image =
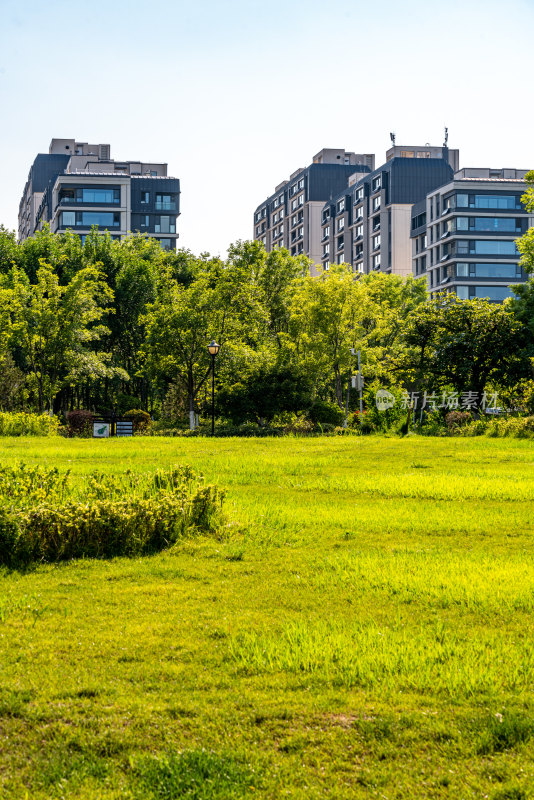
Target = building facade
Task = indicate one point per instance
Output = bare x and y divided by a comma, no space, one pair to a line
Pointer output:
368,224
463,234
77,185
291,216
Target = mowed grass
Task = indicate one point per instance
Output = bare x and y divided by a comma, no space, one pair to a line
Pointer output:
363,627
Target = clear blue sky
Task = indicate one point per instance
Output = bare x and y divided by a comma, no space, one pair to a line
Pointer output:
236,95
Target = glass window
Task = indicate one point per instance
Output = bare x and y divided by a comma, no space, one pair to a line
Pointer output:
68,218
166,244
377,183
145,198
462,292
341,224
462,270
500,224
496,201
494,293
341,206
376,242
165,225
145,221
462,200
496,247
165,202
407,154
462,223
90,195
359,231
376,203
104,219
496,270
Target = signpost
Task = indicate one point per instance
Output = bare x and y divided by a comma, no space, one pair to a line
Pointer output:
101,430
124,428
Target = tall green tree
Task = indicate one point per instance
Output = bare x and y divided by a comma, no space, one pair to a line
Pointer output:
59,328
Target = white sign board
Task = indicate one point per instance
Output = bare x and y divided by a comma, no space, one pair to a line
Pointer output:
101,430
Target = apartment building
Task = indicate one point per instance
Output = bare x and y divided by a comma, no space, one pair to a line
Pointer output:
77,185
291,216
463,234
368,224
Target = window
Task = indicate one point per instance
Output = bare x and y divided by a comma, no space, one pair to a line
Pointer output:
145,221
340,243
359,231
326,250
487,247
376,262
145,198
281,214
103,196
493,201
301,200
376,242
276,203
376,203
407,154
377,183
326,232
423,154
294,220
341,259
341,224
165,202
166,244
300,233
301,183
165,225
340,206
359,195
485,270
85,219
258,230
68,218
496,294
293,205
462,292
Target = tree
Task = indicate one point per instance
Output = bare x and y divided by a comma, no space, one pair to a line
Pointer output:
59,330
461,343
220,302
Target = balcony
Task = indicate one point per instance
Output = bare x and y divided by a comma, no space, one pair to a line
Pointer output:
165,206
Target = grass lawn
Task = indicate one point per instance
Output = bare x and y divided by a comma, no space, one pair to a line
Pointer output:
363,628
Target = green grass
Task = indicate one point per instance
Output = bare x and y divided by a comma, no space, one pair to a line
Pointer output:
361,628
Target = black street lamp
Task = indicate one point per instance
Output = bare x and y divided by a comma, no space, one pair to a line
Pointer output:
213,349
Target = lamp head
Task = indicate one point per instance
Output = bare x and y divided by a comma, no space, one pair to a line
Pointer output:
213,348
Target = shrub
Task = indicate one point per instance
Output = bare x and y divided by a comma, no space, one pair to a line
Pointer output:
141,419
457,419
45,518
329,413
80,422
22,424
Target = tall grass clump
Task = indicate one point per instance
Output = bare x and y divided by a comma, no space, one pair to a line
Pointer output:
22,424
44,517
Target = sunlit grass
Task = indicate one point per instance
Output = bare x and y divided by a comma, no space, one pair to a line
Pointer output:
362,628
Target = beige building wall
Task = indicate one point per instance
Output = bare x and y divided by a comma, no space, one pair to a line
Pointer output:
315,233
401,245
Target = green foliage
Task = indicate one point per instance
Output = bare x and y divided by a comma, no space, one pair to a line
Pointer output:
194,774
44,518
141,420
23,424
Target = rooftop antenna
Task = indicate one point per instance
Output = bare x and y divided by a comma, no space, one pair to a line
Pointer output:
392,137
446,137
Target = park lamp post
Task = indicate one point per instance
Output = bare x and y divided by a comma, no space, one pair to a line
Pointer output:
213,349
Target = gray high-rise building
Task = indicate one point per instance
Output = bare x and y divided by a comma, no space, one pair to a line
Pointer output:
77,185
367,225
291,216
463,234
